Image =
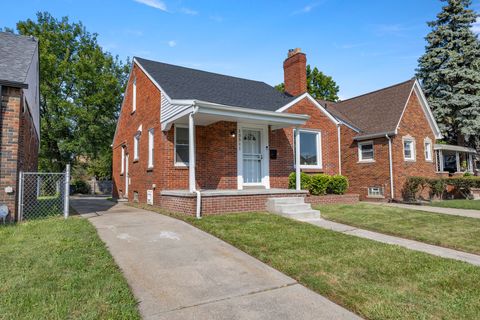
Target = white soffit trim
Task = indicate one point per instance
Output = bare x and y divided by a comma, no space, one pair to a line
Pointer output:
315,102
426,109
151,79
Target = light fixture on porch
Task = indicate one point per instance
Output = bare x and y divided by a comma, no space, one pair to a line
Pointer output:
233,134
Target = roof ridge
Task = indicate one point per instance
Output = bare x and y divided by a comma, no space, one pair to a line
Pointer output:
214,73
378,90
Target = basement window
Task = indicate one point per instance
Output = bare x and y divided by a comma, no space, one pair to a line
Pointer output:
376,192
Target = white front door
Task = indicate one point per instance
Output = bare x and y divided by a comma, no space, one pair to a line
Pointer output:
127,178
252,156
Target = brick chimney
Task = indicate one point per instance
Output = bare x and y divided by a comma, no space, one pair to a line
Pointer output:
295,72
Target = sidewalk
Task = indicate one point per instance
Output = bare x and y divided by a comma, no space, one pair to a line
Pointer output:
177,271
470,213
406,243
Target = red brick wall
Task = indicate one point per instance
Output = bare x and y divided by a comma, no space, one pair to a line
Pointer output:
415,124
376,174
283,141
348,198
18,145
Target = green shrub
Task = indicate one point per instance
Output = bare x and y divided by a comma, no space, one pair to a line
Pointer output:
305,180
79,186
437,187
338,184
412,186
468,174
319,184
461,185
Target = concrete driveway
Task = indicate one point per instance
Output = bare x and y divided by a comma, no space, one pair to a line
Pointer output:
177,271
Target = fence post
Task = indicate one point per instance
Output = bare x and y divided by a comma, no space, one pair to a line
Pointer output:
67,192
20,197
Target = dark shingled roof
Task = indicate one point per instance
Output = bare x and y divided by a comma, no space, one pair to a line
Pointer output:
185,83
16,53
374,112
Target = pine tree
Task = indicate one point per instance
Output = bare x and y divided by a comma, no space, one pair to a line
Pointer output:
450,73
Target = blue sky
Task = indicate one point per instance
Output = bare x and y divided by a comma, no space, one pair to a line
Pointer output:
364,45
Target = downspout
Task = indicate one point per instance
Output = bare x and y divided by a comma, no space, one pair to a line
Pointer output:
339,151
392,193
198,211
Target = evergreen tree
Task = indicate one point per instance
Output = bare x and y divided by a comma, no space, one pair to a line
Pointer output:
450,73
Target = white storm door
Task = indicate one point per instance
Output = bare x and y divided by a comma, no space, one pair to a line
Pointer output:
252,156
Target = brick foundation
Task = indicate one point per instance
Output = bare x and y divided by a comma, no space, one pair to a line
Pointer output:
350,198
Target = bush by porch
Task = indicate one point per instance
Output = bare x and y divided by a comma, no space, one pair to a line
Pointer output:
439,188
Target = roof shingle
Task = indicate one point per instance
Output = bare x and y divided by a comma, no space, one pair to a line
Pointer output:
16,53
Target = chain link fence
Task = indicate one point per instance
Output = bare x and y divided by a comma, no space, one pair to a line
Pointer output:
43,194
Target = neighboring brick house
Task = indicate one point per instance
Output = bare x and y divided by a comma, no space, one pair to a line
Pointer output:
183,131
20,114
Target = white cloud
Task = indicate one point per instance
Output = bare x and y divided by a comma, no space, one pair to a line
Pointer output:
476,26
306,9
189,11
157,4
172,43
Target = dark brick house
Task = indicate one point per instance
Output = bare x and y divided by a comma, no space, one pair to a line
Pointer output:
186,134
20,113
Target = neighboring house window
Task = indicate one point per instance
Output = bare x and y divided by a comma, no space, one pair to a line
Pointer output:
376,192
122,166
310,149
409,149
134,95
365,151
136,142
150,148
181,146
428,149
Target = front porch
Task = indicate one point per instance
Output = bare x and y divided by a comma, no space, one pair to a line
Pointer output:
455,160
223,201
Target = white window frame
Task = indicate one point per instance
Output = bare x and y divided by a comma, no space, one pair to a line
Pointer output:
134,95
360,154
151,147
430,149
136,144
379,194
179,164
414,152
122,165
318,133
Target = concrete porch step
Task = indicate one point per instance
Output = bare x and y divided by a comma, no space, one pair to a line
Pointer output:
292,207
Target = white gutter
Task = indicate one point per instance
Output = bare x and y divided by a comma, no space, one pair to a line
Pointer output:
191,172
339,150
392,193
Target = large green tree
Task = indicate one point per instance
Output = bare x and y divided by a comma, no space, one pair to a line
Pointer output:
450,73
319,85
81,88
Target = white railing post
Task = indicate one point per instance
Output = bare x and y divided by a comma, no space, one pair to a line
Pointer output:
66,207
297,160
20,197
191,153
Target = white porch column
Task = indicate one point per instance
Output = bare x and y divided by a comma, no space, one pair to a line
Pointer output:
297,160
191,153
441,159
457,157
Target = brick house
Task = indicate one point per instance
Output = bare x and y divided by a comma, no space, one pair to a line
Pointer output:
185,134
20,114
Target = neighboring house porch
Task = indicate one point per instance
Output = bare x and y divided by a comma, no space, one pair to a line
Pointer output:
454,159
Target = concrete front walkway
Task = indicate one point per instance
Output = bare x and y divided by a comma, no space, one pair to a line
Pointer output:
177,271
406,243
470,213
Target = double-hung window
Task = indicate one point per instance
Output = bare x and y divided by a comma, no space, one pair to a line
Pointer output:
181,146
310,149
428,149
136,142
366,151
408,149
150,148
122,165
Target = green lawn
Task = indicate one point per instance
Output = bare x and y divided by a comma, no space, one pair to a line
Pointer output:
60,269
375,280
458,204
439,229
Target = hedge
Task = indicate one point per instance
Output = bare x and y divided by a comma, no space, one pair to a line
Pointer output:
438,186
320,184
